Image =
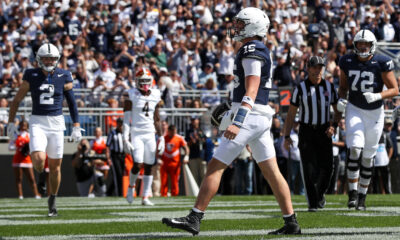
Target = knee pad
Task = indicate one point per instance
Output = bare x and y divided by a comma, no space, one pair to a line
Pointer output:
355,153
366,171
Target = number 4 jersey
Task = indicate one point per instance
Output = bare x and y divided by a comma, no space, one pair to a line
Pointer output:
365,77
143,108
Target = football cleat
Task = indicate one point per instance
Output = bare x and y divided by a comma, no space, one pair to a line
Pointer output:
352,199
361,202
52,213
129,194
322,202
147,202
190,223
291,227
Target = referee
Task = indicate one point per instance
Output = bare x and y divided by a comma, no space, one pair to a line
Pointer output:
313,98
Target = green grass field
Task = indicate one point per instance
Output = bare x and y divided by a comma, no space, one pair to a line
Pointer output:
228,217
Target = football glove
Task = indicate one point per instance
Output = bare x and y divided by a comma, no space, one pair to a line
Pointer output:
218,113
76,134
341,105
12,131
372,97
128,147
161,145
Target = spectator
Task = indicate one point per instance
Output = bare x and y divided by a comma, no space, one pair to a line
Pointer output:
3,115
205,75
243,173
195,139
381,174
210,96
106,74
98,145
112,115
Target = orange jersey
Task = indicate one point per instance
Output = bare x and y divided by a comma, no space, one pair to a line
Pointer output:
19,159
171,155
111,119
99,145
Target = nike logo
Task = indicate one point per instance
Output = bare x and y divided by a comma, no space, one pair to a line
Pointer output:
60,75
176,222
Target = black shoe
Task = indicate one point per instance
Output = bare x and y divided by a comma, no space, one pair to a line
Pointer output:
291,227
190,223
361,202
51,201
322,202
352,199
52,213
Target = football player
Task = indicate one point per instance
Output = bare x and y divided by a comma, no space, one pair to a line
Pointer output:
141,122
48,86
250,124
362,75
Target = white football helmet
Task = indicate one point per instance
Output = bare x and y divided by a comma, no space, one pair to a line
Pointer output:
364,36
144,79
255,21
50,51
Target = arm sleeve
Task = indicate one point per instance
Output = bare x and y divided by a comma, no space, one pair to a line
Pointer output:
251,66
73,109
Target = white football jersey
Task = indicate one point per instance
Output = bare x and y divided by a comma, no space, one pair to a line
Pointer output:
143,108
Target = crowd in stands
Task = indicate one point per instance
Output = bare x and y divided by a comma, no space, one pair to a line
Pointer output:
185,44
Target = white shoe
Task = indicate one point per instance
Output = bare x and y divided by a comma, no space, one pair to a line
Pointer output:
129,195
38,197
21,197
91,195
147,202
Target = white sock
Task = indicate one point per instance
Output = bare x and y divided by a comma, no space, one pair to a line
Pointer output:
353,186
147,181
363,190
132,179
197,210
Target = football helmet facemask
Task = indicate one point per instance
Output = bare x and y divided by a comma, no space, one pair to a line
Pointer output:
250,22
144,79
364,36
47,57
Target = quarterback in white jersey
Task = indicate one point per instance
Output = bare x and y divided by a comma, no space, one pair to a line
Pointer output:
142,121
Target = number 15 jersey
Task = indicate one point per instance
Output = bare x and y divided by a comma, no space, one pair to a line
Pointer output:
143,108
365,77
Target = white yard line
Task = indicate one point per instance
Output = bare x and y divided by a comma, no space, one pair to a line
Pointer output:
312,233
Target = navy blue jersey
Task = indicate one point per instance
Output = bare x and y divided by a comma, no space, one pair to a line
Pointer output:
73,28
257,50
365,77
47,92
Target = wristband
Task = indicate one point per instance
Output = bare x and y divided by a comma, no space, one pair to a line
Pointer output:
240,116
248,100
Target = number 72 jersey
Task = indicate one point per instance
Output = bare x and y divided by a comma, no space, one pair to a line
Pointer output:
47,92
143,108
365,77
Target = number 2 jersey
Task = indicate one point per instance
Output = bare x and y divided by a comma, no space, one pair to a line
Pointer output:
256,50
47,97
143,108
365,77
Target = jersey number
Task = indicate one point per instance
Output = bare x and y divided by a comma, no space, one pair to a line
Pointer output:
146,109
47,97
367,79
249,48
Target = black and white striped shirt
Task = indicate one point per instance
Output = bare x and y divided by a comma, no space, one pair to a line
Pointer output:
314,101
115,141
